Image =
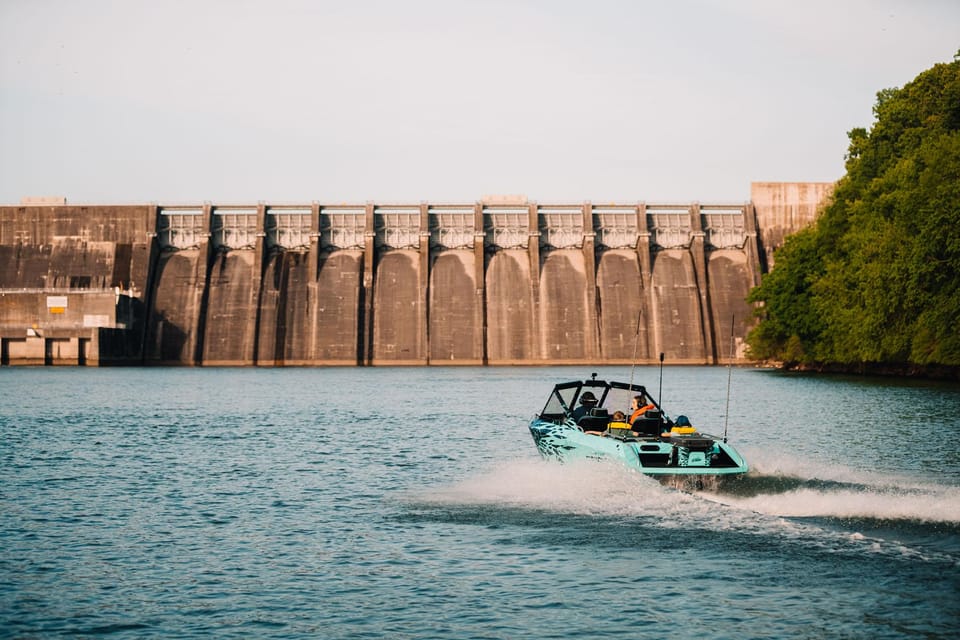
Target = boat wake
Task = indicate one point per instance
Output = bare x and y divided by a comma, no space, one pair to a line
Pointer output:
846,510
797,488
583,488
772,489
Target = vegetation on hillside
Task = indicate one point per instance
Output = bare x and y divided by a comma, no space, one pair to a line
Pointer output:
876,280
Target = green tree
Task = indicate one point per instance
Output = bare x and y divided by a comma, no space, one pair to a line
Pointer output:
876,280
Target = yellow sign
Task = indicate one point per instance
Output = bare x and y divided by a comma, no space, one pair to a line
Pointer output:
57,304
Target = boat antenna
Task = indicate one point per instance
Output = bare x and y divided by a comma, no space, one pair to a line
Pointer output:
660,391
726,411
636,341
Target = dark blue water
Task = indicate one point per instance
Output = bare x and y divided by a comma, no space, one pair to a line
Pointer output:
411,503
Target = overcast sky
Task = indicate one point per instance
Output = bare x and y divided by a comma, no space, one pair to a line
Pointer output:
565,101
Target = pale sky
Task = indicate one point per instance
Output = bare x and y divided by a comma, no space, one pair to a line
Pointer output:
444,101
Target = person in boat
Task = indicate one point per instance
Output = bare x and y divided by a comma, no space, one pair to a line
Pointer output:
638,407
587,401
682,425
617,423
619,426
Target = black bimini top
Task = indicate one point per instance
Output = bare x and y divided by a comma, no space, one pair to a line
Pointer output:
611,396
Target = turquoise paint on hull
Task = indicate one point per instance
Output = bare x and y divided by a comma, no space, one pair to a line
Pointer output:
565,442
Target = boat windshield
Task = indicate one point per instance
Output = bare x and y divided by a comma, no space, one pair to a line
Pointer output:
618,399
561,400
613,396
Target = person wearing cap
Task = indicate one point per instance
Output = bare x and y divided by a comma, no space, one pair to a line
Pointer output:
587,401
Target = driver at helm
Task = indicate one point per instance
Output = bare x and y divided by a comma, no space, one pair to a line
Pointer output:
587,401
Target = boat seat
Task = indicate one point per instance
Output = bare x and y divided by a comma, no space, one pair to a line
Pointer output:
648,424
595,420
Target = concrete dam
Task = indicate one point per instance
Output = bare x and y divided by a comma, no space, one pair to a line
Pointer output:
499,281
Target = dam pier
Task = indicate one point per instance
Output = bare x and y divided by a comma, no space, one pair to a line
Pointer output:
495,282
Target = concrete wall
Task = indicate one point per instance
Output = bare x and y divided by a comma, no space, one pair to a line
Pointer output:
93,259
455,323
510,295
783,208
231,309
77,247
338,304
285,334
496,282
56,326
175,308
623,326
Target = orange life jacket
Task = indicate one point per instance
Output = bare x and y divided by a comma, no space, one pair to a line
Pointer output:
639,412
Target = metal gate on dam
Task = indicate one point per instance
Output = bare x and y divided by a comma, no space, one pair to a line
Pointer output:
501,281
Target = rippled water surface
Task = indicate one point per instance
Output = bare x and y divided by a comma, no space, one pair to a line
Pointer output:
411,503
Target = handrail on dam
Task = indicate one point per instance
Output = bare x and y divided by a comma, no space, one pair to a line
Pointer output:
498,281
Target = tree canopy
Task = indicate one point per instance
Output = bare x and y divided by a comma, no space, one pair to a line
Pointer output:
876,279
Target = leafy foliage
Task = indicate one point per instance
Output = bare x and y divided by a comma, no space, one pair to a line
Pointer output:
876,280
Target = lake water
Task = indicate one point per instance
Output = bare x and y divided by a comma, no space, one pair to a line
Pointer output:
411,503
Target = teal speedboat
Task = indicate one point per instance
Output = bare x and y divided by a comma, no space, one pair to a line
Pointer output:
578,423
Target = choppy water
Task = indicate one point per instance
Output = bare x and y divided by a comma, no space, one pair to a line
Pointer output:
411,503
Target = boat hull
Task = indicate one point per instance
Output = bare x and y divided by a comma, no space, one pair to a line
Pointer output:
701,456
